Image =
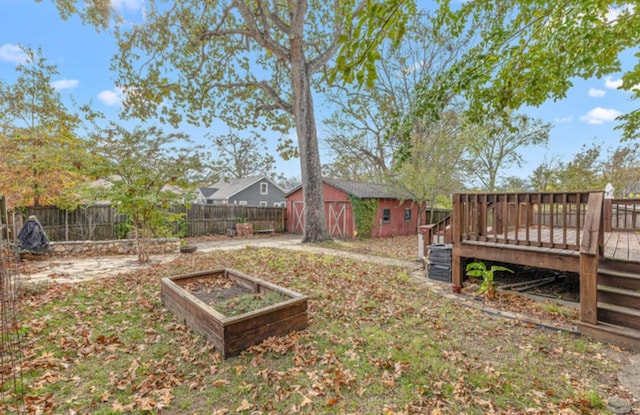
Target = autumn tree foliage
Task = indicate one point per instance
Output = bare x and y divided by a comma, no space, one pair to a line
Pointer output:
40,154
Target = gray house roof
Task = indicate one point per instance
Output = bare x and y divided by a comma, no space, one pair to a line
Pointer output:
223,190
365,190
207,191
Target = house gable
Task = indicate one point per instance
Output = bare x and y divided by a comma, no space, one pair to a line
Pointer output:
251,191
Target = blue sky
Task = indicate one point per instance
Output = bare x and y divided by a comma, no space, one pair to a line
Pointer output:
83,57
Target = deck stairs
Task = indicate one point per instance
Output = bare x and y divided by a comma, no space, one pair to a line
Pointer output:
618,308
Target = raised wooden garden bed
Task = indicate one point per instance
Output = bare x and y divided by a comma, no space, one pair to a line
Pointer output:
192,298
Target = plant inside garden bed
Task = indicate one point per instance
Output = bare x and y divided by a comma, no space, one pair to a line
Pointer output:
229,297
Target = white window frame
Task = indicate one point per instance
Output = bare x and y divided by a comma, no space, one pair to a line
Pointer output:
264,188
263,203
242,203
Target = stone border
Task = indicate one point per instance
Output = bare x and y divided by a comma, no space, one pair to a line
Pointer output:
112,247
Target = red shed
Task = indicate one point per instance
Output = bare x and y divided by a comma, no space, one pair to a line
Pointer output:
397,213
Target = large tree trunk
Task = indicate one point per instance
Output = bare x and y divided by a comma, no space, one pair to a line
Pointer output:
315,223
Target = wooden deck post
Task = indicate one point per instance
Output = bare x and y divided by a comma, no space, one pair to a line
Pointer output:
457,270
590,251
608,215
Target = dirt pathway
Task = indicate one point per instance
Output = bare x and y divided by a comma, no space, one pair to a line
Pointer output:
79,269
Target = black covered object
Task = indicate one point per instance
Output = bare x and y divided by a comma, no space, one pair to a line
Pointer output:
439,262
32,237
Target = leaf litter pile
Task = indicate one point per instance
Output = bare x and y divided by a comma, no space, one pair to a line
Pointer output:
379,342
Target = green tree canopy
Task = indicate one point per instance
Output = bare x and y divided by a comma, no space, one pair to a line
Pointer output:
144,175
529,51
497,145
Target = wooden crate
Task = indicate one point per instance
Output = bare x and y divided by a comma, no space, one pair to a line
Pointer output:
232,335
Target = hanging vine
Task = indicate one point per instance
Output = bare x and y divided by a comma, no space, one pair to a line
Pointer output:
364,214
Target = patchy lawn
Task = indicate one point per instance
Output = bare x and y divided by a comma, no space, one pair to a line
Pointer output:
379,342
398,247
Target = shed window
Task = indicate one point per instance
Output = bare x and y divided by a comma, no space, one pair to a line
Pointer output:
264,188
407,214
386,215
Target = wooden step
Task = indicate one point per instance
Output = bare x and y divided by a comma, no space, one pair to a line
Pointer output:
619,315
609,265
619,278
619,296
609,333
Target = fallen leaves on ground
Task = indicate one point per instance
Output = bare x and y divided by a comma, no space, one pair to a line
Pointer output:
378,342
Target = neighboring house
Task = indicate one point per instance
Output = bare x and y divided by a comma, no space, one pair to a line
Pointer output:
397,213
250,191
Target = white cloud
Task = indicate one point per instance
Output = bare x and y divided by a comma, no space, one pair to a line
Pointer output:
130,5
600,115
13,53
596,93
561,120
65,84
111,97
611,83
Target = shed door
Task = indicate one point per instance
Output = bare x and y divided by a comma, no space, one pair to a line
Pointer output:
298,216
337,218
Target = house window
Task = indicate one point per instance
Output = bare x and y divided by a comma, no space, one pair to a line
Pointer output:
242,203
263,203
386,215
264,188
407,214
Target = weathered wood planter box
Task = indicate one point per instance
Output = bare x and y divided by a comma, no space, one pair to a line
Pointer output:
231,335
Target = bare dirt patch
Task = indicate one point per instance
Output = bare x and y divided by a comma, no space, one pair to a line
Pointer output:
229,297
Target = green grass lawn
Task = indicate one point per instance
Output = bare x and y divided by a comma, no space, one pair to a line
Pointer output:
379,342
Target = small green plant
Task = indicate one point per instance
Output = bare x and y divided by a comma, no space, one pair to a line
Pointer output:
555,308
242,220
479,269
123,228
594,399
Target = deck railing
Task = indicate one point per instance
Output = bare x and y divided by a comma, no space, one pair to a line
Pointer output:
622,215
553,220
439,232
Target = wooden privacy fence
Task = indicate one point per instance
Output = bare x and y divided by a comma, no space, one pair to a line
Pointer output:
103,222
215,220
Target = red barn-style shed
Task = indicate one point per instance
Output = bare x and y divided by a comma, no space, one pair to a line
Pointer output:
397,214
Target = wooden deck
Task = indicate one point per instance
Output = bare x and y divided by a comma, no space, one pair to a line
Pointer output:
578,232
622,246
618,245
